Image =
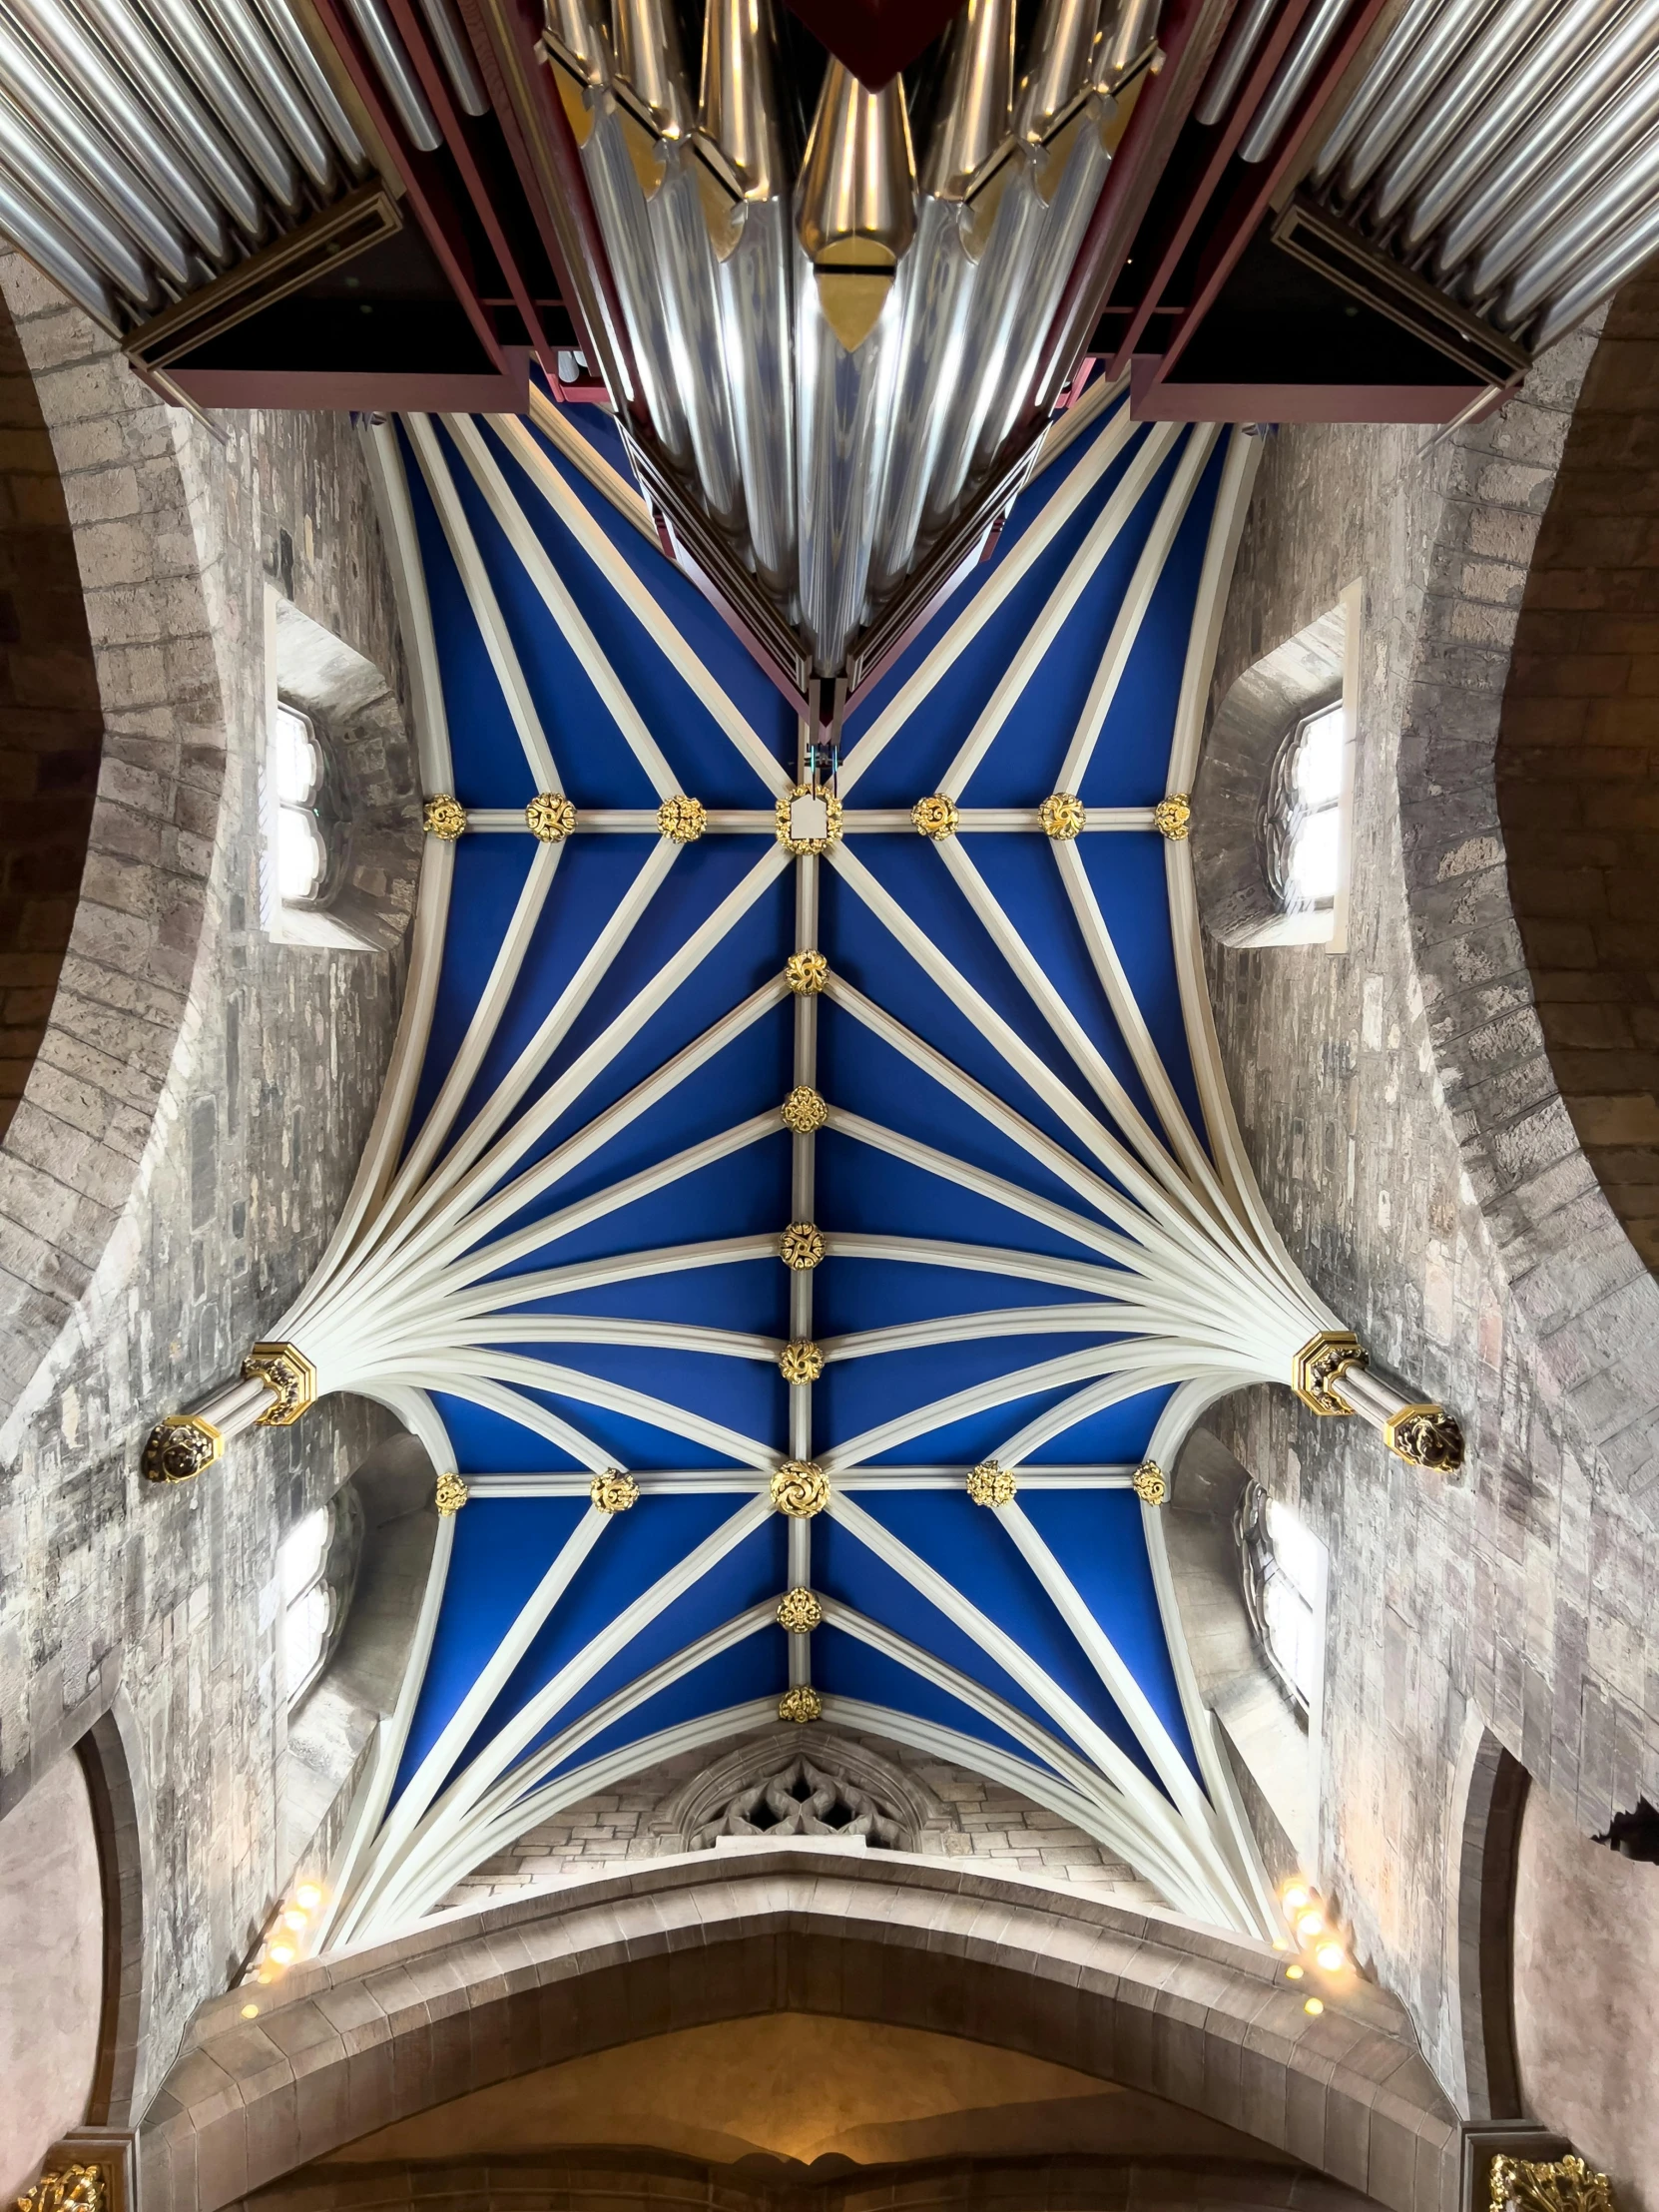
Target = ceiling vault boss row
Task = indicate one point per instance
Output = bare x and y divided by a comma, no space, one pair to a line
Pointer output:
805,1216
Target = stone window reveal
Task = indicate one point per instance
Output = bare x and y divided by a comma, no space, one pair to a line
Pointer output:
318,1564
1282,1571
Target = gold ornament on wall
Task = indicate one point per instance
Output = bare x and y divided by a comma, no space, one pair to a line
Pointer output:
180,1446
1150,1484
290,1377
801,1360
683,819
71,2189
443,816
550,817
935,817
799,1490
799,1610
451,1494
612,1492
806,973
1063,815
800,1246
799,846
803,1703
805,1110
1549,2185
1426,1436
990,1484
1323,1361
1171,818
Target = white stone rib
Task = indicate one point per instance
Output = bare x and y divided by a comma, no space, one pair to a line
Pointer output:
1170,1368
415,608
1221,549
486,609
501,1293
589,1328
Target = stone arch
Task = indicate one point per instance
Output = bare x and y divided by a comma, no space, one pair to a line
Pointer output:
153,748
349,2045
111,1759
1489,1797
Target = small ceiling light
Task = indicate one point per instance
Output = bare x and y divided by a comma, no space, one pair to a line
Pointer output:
1293,1973
1332,1958
294,1918
1311,1924
308,1895
250,2011
282,1954
1278,1944
1296,1897
1313,2007
264,1974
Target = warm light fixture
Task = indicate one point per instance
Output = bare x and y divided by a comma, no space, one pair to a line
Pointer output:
250,2011
294,1918
1311,1924
1293,1973
282,1954
1278,1944
1296,1897
1332,1958
1315,2006
308,1895
264,1974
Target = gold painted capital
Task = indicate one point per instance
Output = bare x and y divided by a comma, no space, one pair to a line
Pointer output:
683,819
71,2189
990,1484
799,1610
443,816
807,974
805,1110
832,822
180,1446
612,1492
451,1494
1171,818
550,817
1426,1436
290,1377
1322,1361
799,1490
935,817
1549,2185
800,1246
801,1360
1063,815
1150,1484
803,1703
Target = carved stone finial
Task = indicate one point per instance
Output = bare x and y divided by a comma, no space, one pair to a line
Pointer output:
801,1360
290,1377
612,1492
1320,1363
803,1703
1548,2185
443,816
990,1484
1063,815
799,1610
798,824
180,1446
1150,1484
550,817
1171,818
451,1494
805,1110
1426,1436
807,974
683,819
935,817
71,2189
800,1246
799,1490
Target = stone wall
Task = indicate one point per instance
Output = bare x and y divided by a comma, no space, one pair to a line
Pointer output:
1399,1109
226,1085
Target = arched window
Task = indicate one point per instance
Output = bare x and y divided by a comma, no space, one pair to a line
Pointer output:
302,830
1281,1570
317,1561
1302,830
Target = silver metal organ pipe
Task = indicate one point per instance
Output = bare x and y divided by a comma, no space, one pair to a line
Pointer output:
159,78
1438,121
85,218
856,222
1400,41
1418,68
66,124
649,78
1620,127
971,130
396,72
1291,80
49,246
750,236
1615,198
450,39
142,141
1228,69
1491,195
1605,270
226,91
250,46
313,78
1551,56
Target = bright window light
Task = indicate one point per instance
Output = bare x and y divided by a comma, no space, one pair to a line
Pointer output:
1278,1565
307,1605
297,768
1304,827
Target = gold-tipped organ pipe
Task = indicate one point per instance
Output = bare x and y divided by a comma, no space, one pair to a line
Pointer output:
854,221
742,189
